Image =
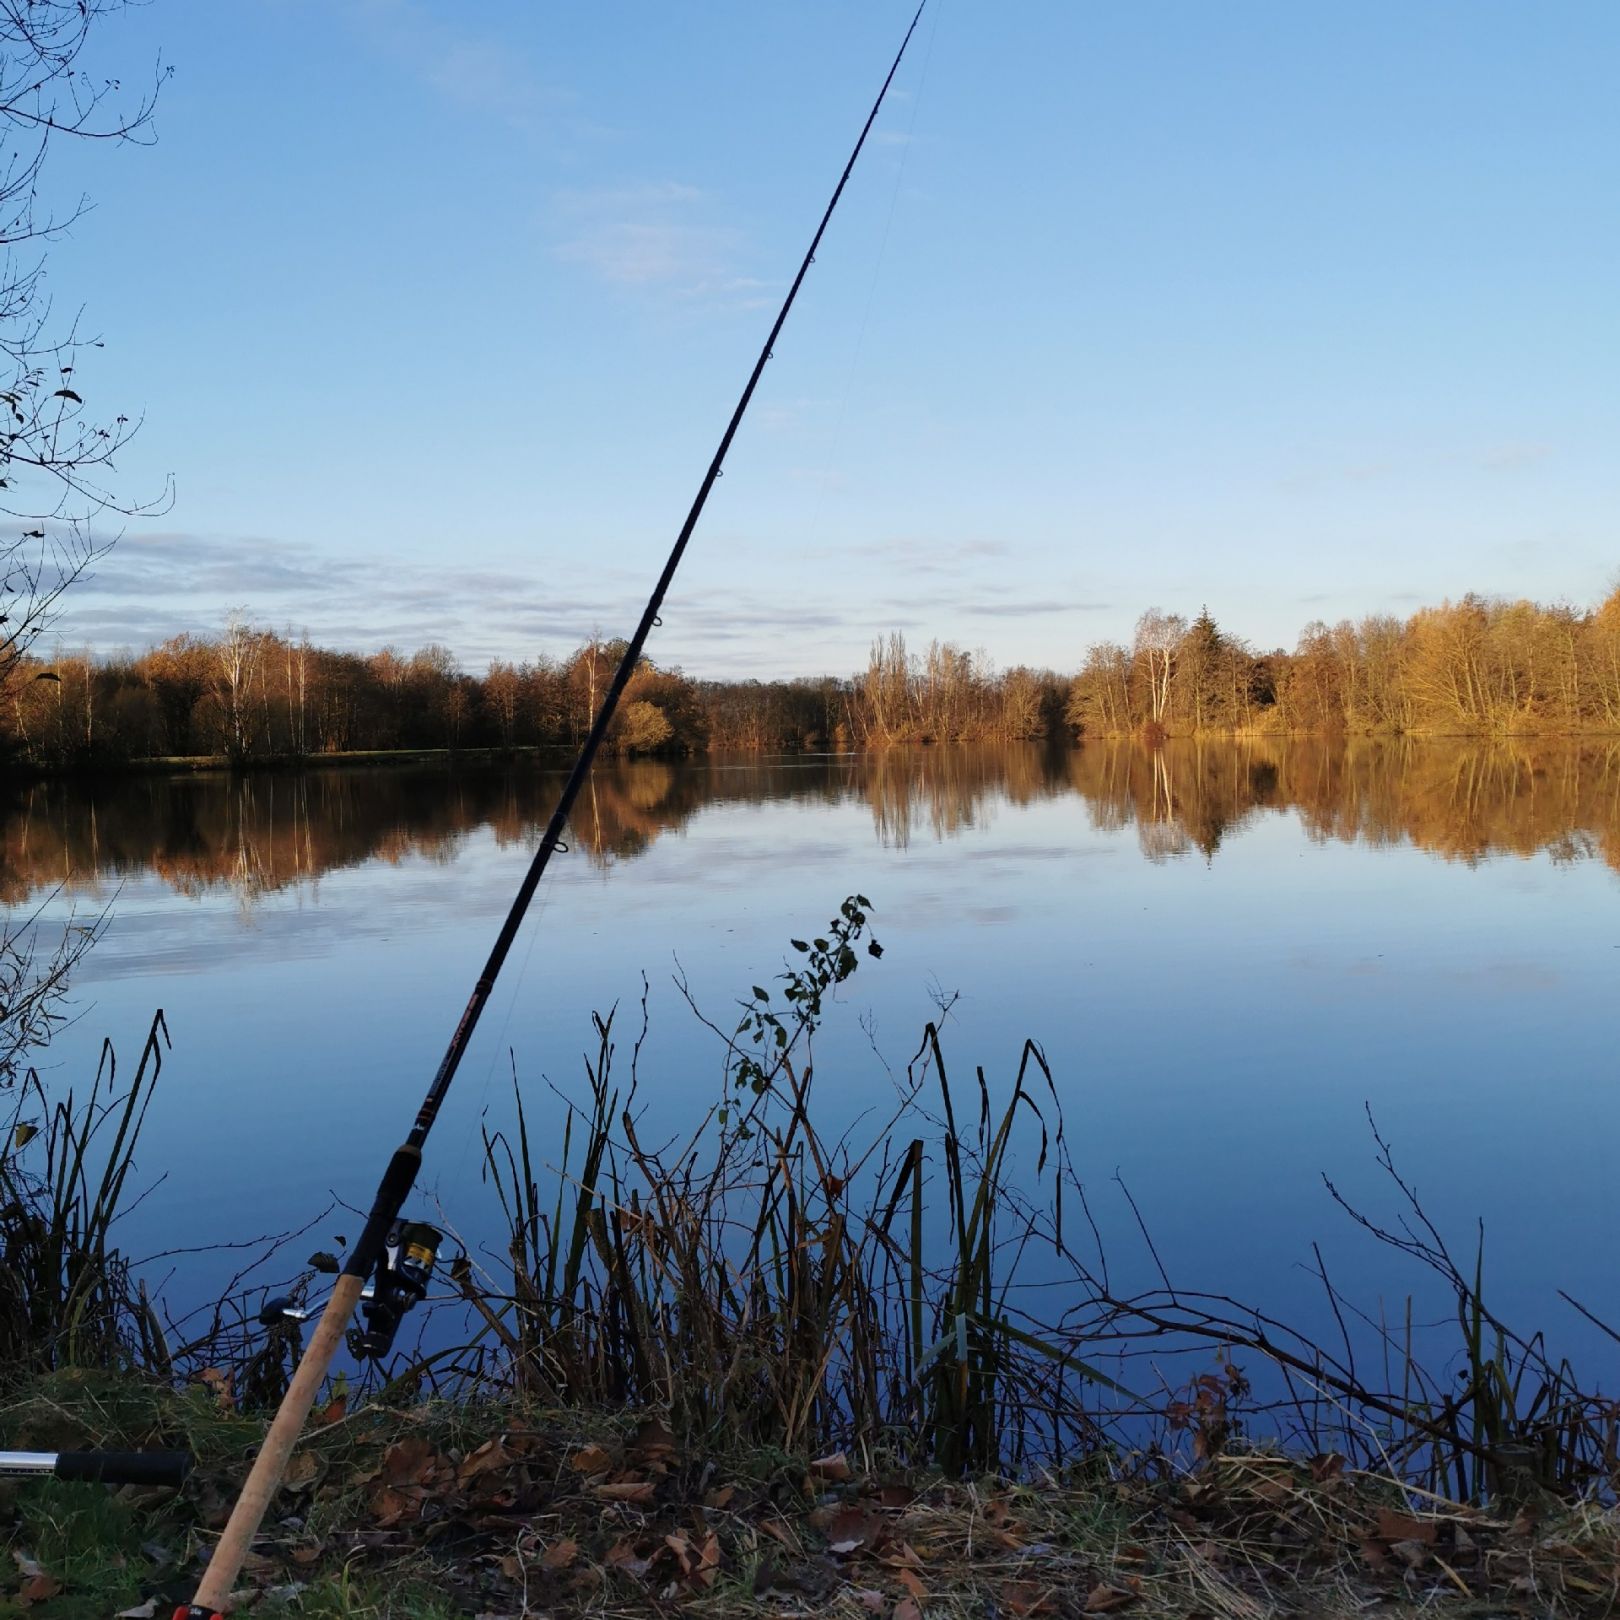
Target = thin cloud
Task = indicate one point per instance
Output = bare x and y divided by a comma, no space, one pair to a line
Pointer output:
660,237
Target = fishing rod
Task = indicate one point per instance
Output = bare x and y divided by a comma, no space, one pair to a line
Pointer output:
397,1255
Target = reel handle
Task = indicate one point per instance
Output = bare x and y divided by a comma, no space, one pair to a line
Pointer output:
100,1467
125,1467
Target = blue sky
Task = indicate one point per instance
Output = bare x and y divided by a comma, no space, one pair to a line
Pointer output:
436,311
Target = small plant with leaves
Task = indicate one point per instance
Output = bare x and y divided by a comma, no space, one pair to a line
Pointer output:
829,960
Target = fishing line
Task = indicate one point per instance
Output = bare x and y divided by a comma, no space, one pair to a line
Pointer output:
399,1255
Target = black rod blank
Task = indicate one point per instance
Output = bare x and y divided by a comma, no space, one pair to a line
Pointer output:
401,1173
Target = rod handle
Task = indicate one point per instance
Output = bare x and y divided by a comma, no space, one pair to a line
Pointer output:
125,1467
236,1540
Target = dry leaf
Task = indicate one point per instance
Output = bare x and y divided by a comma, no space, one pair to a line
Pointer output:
834,1467
654,1443
851,1529
492,1454
218,1382
912,1582
141,1611
303,1468
896,1496
628,1490
408,1461
720,1498
871,1600
1393,1526
37,1588
1025,1597
559,1555
27,1567
591,1459
907,1609
1104,1599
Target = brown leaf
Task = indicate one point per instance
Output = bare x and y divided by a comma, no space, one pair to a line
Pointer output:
896,1496
777,1531
625,1490
720,1498
303,1468
492,1454
907,1609
912,1582
1393,1527
1374,1555
834,1467
408,1461
218,1382
559,1555
851,1529
903,1557
653,1443
871,1600
37,1588
1025,1597
1104,1599
334,1411
591,1459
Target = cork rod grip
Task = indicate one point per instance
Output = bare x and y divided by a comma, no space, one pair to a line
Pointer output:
265,1478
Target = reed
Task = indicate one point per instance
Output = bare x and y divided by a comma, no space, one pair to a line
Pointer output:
67,1296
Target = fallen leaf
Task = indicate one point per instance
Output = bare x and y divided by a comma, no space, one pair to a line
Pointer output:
896,1496
303,1468
141,1611
217,1381
1025,1597
834,1467
492,1454
37,1588
907,1609
1393,1527
334,1411
653,1443
851,1529
629,1490
871,1600
912,1582
559,1555
408,1461
720,1498
1104,1599
590,1459
27,1567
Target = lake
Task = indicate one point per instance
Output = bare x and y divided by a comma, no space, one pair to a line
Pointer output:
1229,953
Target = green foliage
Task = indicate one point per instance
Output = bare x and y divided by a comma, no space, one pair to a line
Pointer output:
829,960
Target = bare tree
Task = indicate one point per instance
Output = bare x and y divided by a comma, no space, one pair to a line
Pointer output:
1158,635
57,458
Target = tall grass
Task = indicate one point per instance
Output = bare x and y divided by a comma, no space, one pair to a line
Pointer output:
67,1297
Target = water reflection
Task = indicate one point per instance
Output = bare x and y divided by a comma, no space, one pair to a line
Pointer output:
259,834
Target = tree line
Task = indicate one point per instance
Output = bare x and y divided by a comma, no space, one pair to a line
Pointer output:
1475,667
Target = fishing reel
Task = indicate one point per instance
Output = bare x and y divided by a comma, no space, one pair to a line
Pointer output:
404,1271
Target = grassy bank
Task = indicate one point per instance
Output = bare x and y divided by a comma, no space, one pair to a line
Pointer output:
426,1510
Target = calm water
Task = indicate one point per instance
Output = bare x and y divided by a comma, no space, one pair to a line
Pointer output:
1227,953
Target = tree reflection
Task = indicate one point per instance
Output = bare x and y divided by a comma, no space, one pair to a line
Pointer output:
257,834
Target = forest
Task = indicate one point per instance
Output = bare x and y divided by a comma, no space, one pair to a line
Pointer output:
1476,667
